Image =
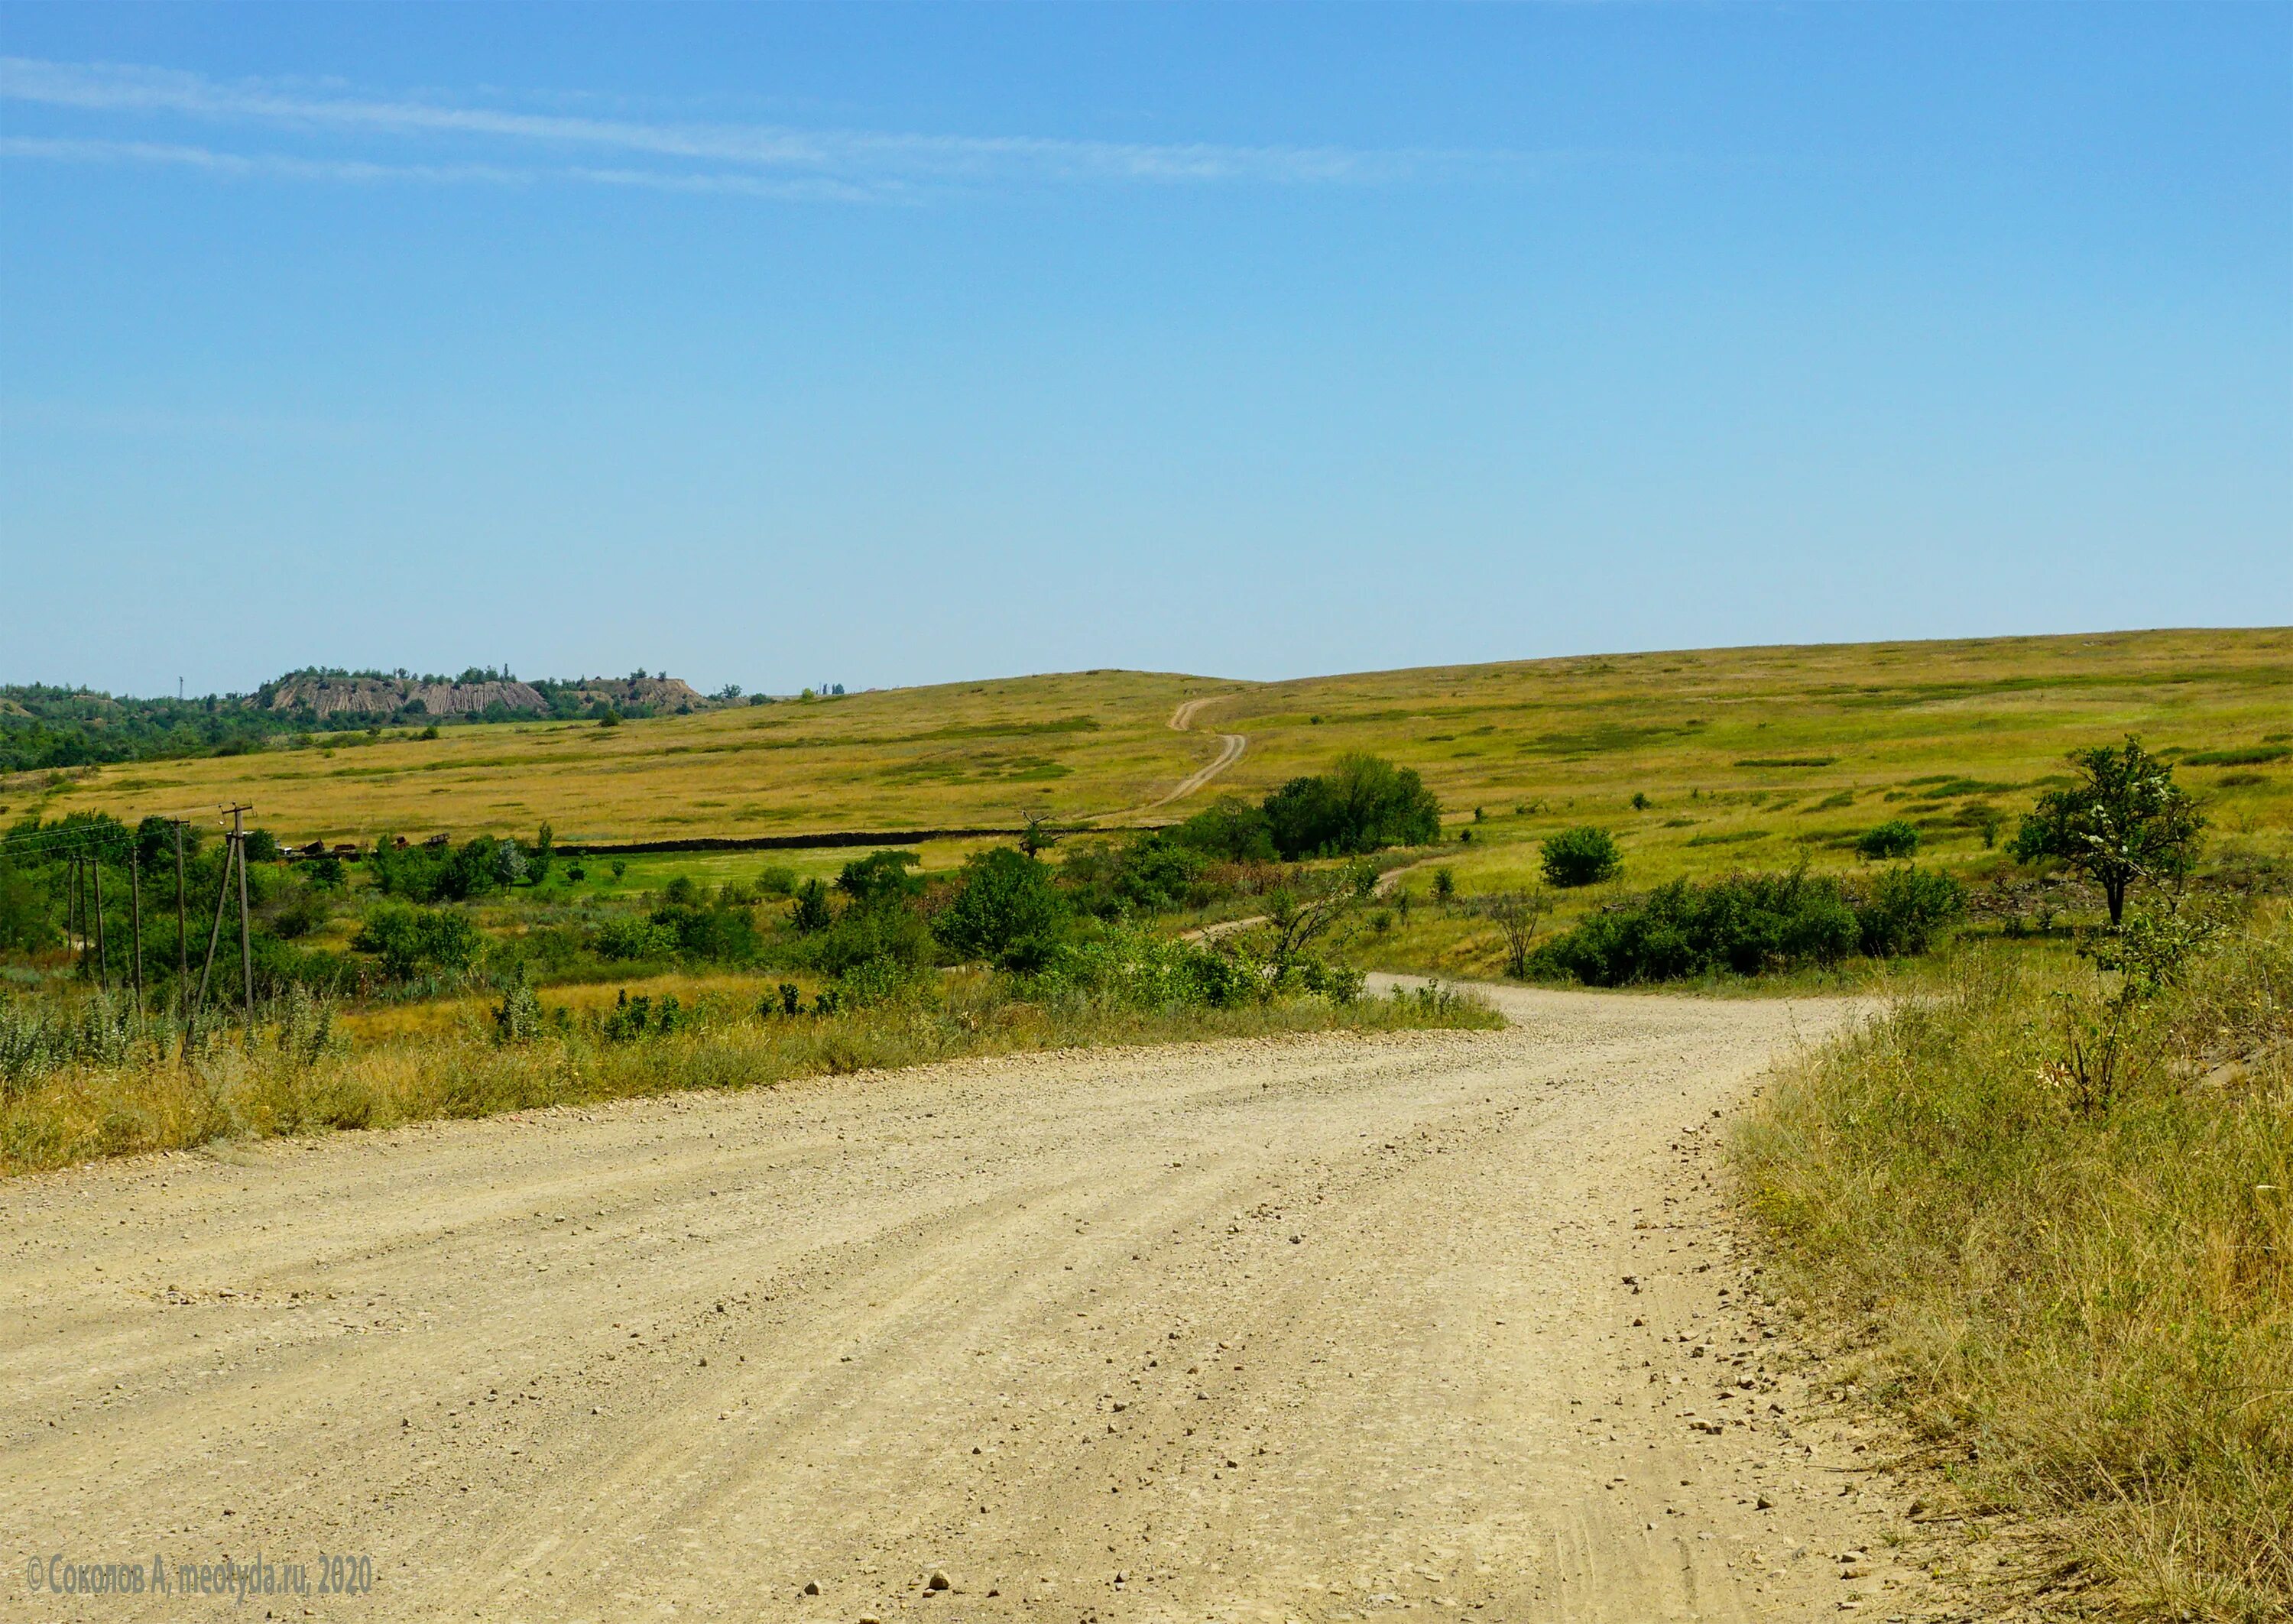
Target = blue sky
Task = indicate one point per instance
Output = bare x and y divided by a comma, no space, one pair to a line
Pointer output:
884,345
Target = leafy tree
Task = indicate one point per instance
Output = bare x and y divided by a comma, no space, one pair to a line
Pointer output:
1581,856
2125,819
1307,912
1005,909
1037,838
1892,839
1363,804
545,855
155,842
880,880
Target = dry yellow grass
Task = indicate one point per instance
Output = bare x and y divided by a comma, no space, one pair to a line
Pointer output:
971,755
2088,1311
1700,734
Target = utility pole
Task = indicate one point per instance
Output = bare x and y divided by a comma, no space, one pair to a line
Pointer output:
135,917
246,943
95,873
182,928
215,935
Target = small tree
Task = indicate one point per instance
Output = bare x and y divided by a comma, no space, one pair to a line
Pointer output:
1582,856
2125,819
1518,915
1299,916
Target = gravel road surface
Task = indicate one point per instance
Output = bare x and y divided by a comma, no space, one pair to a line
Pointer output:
1306,1329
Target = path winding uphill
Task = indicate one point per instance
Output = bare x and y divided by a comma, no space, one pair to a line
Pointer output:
1231,748
1308,1330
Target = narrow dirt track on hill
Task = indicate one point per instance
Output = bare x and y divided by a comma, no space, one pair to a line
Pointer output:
1307,1330
1231,748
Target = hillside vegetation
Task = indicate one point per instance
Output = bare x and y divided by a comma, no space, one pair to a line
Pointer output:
48,728
1742,758
2058,1203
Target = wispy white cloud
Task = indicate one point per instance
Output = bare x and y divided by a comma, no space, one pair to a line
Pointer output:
68,149
765,159
78,151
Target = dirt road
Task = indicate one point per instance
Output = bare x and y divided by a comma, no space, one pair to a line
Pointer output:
1303,1331
1231,748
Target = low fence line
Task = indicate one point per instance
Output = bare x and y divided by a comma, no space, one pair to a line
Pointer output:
789,842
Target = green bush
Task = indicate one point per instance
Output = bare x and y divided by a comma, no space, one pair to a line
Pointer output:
625,940
1889,840
880,880
1742,924
1581,856
1132,966
1230,829
1005,909
778,880
408,939
867,934
719,930
1905,909
811,913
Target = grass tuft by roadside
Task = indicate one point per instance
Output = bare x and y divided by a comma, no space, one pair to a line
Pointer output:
121,1087
2064,1219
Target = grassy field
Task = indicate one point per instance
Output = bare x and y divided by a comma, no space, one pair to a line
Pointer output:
1744,757
970,754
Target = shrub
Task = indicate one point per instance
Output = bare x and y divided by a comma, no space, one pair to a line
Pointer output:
1230,829
777,881
1744,923
717,930
1005,909
1133,966
408,939
1889,840
811,913
634,939
1905,909
866,933
1581,856
1150,874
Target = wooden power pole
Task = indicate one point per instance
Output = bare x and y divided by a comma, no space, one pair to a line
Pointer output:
246,941
95,873
182,928
135,916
